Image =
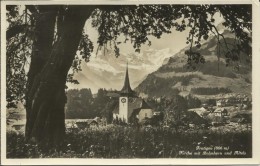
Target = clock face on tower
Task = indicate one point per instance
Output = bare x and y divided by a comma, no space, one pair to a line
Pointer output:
123,100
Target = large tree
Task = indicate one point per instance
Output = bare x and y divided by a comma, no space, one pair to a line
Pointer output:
42,45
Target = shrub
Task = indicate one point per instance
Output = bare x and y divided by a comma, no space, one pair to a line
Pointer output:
114,141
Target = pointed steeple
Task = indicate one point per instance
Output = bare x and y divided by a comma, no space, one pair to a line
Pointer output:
127,90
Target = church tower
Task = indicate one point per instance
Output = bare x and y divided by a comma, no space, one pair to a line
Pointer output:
125,96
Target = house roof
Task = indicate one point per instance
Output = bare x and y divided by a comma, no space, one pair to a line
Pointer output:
201,109
193,117
220,110
136,103
135,112
88,121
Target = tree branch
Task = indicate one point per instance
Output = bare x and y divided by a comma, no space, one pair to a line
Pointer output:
32,9
11,32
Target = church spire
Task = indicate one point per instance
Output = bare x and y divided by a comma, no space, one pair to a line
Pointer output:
127,90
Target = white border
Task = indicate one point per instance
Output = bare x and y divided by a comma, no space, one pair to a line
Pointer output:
256,82
3,84
255,94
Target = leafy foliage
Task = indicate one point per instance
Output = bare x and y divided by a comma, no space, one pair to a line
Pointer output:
85,49
134,23
81,104
17,56
193,102
202,26
78,104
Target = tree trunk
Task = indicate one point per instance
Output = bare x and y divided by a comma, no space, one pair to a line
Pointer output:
46,94
41,50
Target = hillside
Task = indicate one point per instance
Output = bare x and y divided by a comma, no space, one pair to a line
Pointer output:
213,79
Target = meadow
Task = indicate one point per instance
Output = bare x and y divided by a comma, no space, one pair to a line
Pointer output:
114,141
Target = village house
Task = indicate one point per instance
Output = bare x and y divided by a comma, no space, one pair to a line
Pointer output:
239,101
192,119
219,116
220,103
156,113
86,123
81,124
200,111
221,112
204,105
218,121
71,126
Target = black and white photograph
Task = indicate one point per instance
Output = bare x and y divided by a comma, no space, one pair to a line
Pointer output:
128,81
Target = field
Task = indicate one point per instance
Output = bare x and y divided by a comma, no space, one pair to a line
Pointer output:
114,141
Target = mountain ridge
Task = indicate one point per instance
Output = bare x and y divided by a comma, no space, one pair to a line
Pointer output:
215,76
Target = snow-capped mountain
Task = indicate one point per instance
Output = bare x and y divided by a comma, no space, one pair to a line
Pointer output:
106,71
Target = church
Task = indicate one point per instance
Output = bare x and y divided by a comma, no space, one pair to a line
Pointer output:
130,105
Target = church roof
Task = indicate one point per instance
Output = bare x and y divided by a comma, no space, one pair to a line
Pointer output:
141,105
127,90
144,105
135,104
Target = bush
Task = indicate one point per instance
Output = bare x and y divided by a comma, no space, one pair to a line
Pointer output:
126,142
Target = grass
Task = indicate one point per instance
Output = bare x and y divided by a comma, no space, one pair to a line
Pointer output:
126,142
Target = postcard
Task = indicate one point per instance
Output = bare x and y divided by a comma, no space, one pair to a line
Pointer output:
130,82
